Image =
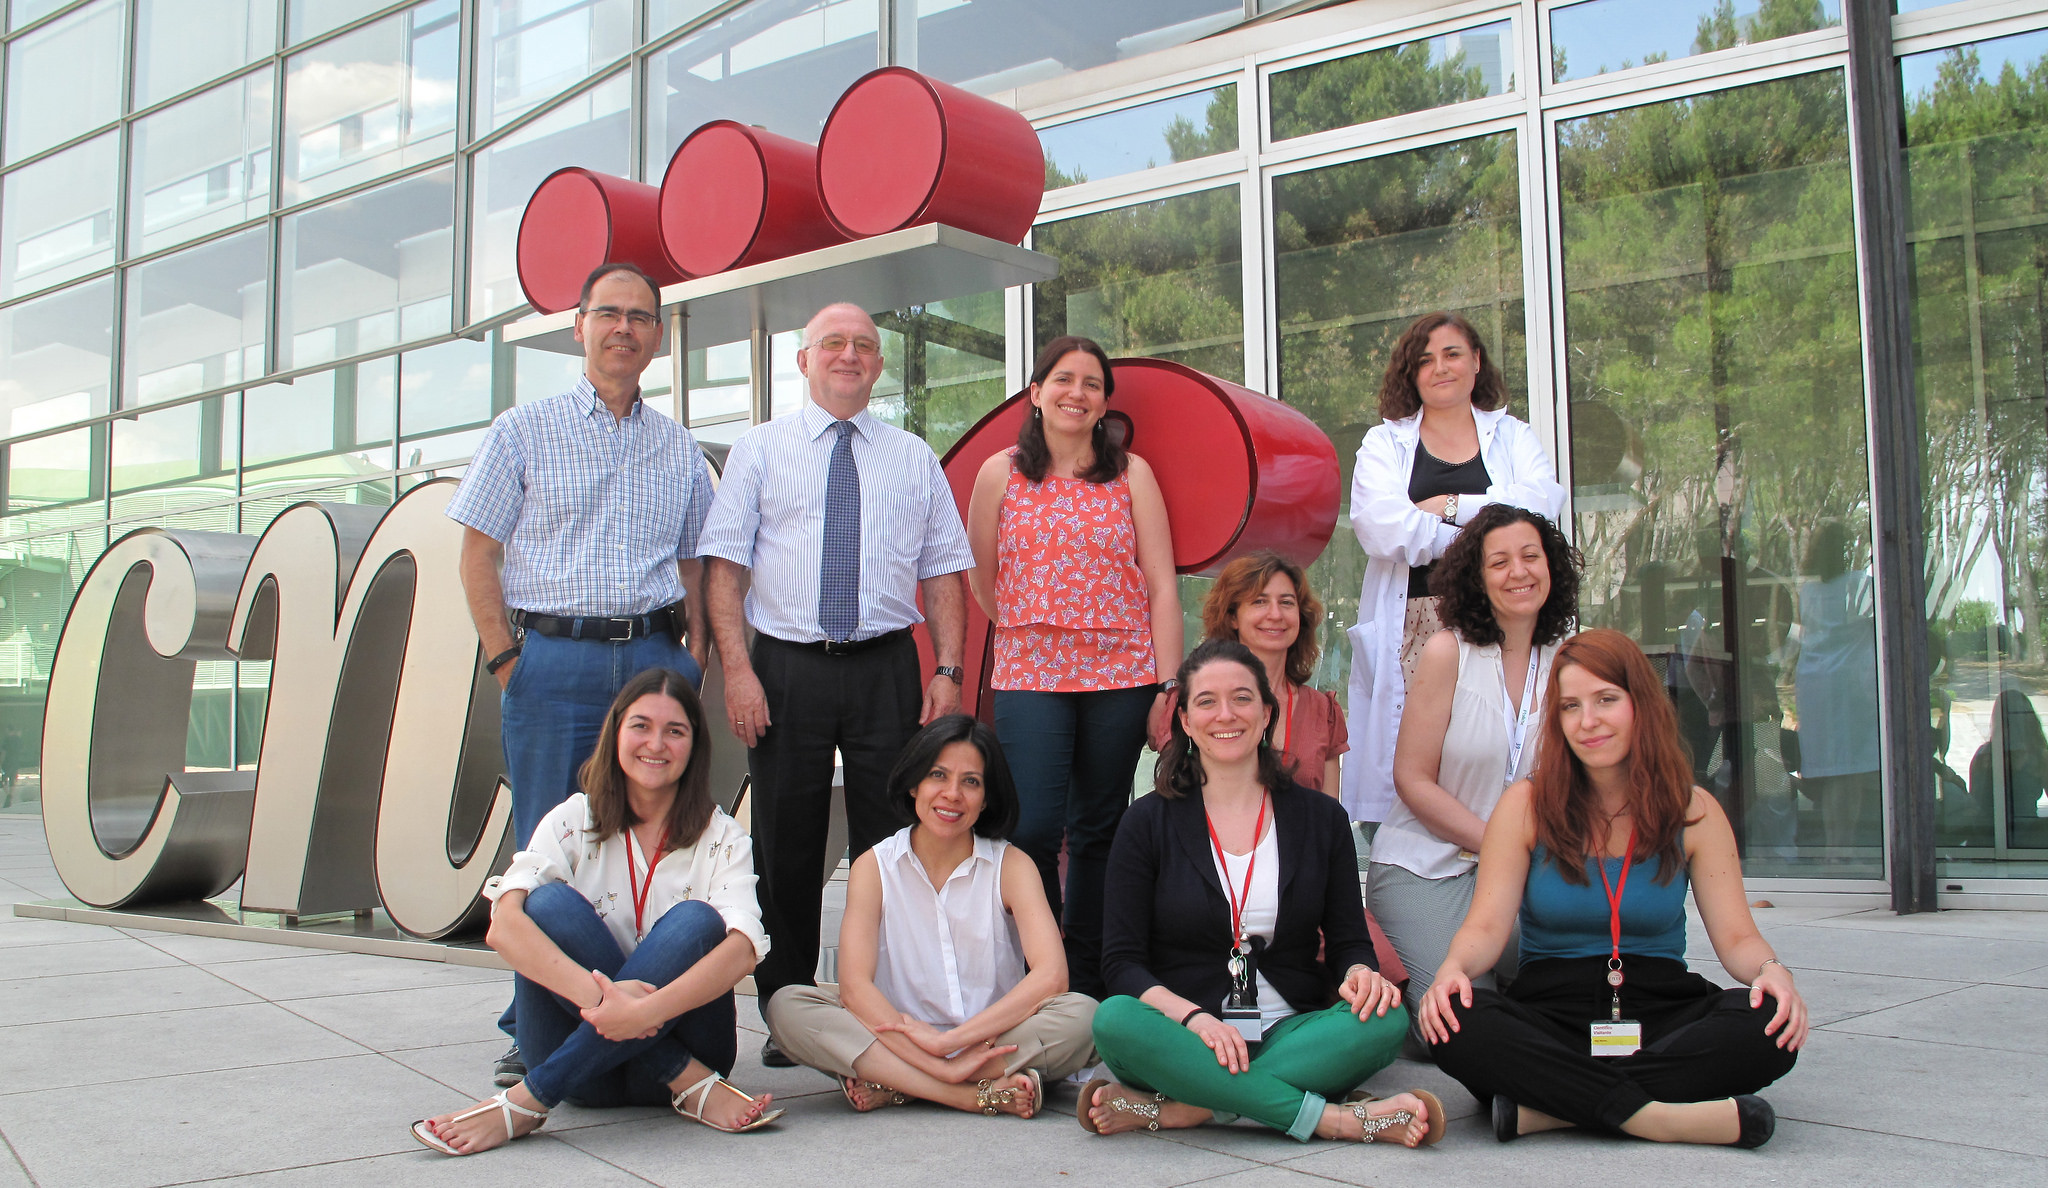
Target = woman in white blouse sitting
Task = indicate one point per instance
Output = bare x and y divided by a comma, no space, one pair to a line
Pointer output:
952,977
626,964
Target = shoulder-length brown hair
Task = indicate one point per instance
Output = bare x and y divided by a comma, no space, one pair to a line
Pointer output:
1568,822
605,785
1180,769
1398,397
1033,456
1241,581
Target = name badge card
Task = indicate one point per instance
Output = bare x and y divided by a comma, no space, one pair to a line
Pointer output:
1617,1037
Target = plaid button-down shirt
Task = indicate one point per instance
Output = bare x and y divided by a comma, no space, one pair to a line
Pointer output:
593,511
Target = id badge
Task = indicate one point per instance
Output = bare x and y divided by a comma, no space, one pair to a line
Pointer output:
1249,1023
1617,1037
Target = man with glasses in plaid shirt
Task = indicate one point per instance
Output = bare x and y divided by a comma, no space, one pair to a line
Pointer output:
840,520
580,518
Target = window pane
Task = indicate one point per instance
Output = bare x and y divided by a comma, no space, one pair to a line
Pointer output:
368,272
21,12
311,18
1718,452
1602,35
780,64
64,79
1361,250
47,477
945,367
56,355
57,217
663,15
1143,137
591,130
201,165
993,45
1437,72
447,386
344,414
531,50
371,101
174,458
1159,278
195,320
1977,148
182,43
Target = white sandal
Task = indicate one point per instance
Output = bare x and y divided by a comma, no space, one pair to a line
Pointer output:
694,1111
500,1102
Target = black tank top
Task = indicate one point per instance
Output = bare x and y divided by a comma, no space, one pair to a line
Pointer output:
1432,477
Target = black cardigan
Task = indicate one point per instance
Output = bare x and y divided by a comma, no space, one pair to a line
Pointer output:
1167,922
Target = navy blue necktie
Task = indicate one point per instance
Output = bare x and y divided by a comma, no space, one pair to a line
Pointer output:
839,568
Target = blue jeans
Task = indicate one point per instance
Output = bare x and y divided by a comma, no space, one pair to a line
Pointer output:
553,708
566,1059
1073,757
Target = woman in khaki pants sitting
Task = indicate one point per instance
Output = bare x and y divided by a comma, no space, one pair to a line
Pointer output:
973,1013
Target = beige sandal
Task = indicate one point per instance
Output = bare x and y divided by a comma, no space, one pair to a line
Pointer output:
987,1098
848,1084
1148,1110
422,1131
694,1111
1372,1126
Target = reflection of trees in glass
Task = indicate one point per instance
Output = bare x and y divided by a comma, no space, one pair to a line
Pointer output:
1184,139
1373,86
1159,278
1364,247
1714,368
1977,176
945,366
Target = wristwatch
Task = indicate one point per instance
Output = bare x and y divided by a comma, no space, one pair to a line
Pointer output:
1450,509
950,670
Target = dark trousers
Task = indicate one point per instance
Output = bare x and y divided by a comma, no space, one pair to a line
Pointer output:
1529,1043
865,706
567,1059
1073,756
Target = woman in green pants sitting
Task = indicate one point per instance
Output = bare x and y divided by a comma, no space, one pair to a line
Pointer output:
1221,884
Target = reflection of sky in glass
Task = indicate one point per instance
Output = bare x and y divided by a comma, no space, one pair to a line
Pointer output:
1918,72
1123,141
1603,35
1485,48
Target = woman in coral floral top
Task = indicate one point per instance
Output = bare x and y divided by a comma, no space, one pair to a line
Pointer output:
1074,565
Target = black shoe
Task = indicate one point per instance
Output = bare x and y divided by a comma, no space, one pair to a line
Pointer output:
775,1057
1506,1119
511,1069
1759,1121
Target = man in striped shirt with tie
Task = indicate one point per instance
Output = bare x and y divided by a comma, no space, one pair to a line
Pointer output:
840,520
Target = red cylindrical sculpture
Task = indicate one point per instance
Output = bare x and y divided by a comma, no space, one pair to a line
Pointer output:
578,219
736,195
1238,472
901,149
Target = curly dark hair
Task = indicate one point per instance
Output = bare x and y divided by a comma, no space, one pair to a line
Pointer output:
1180,768
1459,582
1033,456
1398,397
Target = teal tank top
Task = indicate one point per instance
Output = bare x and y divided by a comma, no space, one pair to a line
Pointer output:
1560,920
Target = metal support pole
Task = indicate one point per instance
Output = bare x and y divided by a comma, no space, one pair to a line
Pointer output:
1876,126
761,367
679,362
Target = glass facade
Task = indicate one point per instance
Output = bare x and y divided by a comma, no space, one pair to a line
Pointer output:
262,249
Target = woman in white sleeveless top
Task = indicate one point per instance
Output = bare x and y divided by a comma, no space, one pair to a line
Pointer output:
952,975
1508,590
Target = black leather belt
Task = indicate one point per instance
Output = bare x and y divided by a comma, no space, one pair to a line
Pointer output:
834,647
668,618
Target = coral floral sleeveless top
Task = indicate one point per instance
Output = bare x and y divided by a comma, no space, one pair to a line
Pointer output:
1071,608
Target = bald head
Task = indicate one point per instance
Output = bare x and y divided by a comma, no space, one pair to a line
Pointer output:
841,358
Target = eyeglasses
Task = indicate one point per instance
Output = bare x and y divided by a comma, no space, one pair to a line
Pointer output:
832,344
639,319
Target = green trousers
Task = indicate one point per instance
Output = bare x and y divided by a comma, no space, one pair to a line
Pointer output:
1304,1062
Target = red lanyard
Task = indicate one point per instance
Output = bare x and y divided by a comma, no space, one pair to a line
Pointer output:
1237,903
640,890
1614,893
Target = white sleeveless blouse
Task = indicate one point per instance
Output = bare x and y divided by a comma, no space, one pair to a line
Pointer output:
945,954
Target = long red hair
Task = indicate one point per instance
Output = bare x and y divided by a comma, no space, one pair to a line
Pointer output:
1568,821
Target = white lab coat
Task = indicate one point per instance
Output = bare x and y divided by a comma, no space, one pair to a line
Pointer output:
1395,535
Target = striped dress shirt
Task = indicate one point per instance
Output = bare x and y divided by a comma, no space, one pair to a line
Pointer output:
594,511
770,517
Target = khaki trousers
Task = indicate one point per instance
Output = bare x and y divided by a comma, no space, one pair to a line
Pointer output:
813,1029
